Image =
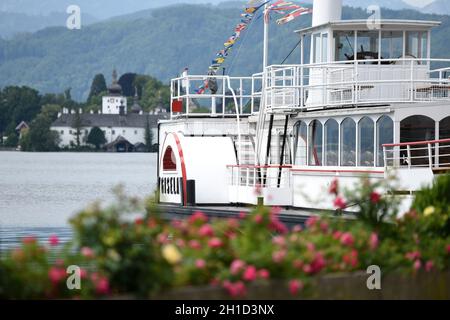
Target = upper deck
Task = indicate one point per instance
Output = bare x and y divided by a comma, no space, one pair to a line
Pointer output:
342,64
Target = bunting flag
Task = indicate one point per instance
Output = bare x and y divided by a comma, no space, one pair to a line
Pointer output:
246,18
288,10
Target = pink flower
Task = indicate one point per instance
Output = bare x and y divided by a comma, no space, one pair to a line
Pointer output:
337,235
53,240
278,256
275,211
206,231
56,274
200,263
417,265
279,241
373,241
83,273
295,286
318,263
311,222
102,286
181,243
375,197
198,216
340,203
215,243
29,240
237,266
347,239
259,219
194,244
297,229
235,290
448,249
324,226
429,266
414,255
250,274
277,226
311,247
264,274
87,252
334,187
242,215
233,223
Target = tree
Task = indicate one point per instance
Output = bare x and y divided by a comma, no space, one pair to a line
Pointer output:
39,137
77,125
98,86
96,137
148,137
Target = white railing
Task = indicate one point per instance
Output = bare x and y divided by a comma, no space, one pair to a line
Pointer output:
433,154
259,176
362,82
247,91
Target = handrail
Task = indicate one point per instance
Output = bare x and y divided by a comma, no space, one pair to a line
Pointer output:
260,167
404,144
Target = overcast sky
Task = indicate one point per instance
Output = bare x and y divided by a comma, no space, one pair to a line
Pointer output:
419,3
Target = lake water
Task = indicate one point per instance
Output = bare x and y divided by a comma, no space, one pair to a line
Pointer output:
39,192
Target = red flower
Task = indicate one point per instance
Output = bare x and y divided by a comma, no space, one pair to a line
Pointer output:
347,239
56,274
206,231
264,274
198,216
215,243
250,274
337,235
375,197
448,249
29,240
139,222
53,240
429,266
373,241
351,259
295,286
278,226
334,187
236,266
200,264
318,263
340,203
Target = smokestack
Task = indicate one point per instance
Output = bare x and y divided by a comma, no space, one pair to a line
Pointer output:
325,11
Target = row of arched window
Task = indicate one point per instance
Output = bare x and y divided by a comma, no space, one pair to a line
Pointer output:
348,143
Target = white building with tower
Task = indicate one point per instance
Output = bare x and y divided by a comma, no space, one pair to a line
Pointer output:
124,131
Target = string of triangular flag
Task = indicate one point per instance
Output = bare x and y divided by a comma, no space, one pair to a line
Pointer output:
246,18
289,12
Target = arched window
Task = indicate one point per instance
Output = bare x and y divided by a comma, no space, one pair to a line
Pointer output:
366,136
444,148
315,143
331,143
300,147
169,160
414,129
385,135
348,143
